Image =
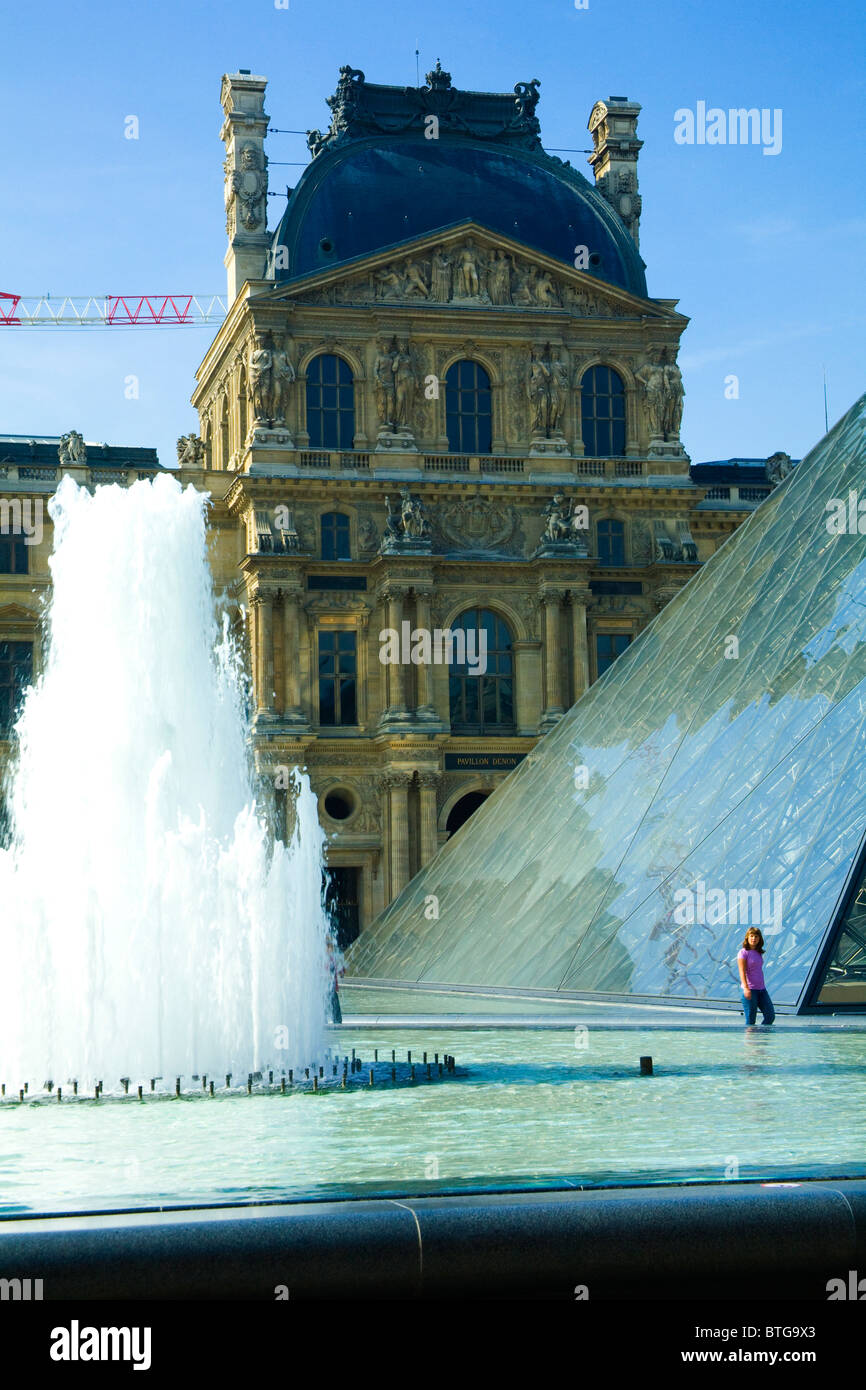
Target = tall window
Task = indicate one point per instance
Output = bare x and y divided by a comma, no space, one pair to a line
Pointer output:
335,536
338,663
611,543
13,554
330,403
602,406
483,702
242,408
468,419
608,646
16,673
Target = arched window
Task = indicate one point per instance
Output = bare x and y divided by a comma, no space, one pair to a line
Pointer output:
468,419
602,406
330,403
335,536
481,682
611,543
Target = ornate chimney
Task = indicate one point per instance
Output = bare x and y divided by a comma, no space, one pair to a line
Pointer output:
613,127
246,178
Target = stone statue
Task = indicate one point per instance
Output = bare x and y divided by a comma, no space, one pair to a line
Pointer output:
558,386
415,282
778,466
282,376
651,375
673,394
413,520
499,278
393,524
405,385
545,291
468,283
537,390
72,448
386,392
526,278
190,451
388,283
260,374
316,142
558,513
440,286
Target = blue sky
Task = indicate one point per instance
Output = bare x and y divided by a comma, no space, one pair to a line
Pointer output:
764,253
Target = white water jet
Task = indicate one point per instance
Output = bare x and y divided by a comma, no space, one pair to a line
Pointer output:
148,923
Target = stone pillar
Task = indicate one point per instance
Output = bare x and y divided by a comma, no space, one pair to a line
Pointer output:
613,126
246,178
579,650
424,674
395,675
293,711
398,793
552,601
428,781
264,654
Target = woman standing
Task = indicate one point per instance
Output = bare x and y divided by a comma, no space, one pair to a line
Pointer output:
750,959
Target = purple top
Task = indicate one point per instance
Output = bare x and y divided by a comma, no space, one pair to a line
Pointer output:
754,967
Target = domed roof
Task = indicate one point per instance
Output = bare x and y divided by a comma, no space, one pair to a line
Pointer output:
376,181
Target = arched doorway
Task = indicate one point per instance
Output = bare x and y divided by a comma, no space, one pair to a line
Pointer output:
463,809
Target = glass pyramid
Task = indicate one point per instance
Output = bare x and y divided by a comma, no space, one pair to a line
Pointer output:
713,779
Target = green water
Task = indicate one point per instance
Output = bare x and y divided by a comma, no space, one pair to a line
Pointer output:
528,1108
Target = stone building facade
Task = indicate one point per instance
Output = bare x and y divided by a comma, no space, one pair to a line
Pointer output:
442,402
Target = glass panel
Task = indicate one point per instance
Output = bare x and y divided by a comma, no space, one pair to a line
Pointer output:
719,789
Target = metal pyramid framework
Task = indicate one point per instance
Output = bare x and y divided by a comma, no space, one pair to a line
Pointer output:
713,779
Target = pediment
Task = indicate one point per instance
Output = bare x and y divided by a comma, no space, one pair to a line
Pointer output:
13,615
470,267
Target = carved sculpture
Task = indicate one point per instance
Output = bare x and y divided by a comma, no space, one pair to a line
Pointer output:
385,385
245,190
72,449
270,375
558,513
190,451
547,387
778,466
499,278
467,271
440,280
408,528
405,385
663,386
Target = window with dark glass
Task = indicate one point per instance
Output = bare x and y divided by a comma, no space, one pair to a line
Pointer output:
602,406
16,673
484,702
13,554
338,664
335,536
468,418
608,646
611,543
330,403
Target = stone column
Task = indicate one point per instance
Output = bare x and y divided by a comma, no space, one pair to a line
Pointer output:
393,596
552,601
424,674
246,178
580,653
264,663
293,711
397,784
428,781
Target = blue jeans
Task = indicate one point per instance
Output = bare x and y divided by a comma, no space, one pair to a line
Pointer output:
760,1000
